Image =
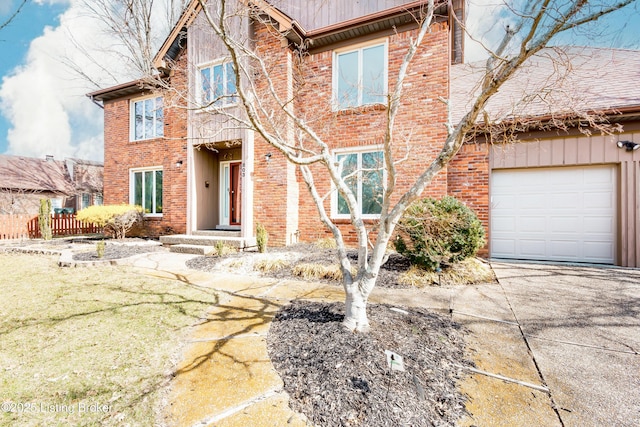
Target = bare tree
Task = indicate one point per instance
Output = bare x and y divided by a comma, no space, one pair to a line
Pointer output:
131,32
270,111
13,15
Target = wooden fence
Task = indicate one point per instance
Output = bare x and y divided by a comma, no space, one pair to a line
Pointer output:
26,226
14,226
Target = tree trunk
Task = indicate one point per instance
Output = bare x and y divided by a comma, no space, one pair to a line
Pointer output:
357,295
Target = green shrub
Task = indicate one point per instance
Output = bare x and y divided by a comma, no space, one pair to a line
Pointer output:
115,218
100,246
44,219
262,237
437,233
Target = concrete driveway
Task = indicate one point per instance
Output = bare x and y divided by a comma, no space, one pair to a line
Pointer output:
582,325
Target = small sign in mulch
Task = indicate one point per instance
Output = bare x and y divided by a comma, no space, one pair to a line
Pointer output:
339,378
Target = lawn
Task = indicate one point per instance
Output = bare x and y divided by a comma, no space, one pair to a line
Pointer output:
89,346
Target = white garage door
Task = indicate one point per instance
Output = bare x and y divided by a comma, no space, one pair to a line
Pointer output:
556,214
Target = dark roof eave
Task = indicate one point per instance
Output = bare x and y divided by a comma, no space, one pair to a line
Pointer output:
614,115
119,91
371,23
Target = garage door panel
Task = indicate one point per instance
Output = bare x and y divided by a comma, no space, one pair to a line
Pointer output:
564,250
565,200
598,200
532,247
530,201
532,224
600,177
506,201
503,247
593,250
507,224
565,224
599,225
559,214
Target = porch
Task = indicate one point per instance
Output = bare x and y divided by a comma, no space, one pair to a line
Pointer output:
203,242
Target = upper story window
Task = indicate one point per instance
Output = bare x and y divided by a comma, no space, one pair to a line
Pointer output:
363,172
360,76
218,85
147,118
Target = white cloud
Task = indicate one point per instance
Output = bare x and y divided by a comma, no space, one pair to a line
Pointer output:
45,101
41,98
486,23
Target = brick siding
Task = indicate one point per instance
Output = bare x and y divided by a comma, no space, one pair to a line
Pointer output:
281,200
468,181
122,155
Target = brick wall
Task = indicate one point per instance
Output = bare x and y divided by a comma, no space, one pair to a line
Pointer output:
274,180
121,155
468,181
419,129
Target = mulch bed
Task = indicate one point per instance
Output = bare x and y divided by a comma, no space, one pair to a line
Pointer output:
339,378
115,251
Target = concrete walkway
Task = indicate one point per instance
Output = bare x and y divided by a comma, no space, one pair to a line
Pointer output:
583,327
225,377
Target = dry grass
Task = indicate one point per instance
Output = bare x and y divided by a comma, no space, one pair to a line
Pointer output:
326,243
70,338
223,249
468,272
311,271
270,265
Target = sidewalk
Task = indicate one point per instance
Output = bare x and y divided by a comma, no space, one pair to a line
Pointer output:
226,379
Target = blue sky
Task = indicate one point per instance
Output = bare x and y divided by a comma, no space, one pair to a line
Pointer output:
43,107
16,38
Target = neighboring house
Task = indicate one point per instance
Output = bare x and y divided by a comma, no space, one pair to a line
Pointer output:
549,190
554,194
26,180
87,177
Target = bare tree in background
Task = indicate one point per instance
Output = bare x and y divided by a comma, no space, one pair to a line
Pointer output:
272,114
132,31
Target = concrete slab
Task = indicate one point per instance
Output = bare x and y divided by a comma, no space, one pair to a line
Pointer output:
273,411
226,378
236,316
215,377
582,324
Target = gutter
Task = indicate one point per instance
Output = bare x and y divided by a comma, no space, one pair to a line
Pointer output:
95,101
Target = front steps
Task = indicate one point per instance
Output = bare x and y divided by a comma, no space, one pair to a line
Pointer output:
203,242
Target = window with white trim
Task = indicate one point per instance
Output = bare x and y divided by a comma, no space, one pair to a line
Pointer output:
363,172
85,201
218,85
360,76
147,118
146,190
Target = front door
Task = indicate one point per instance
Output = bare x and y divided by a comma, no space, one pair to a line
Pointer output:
235,194
230,193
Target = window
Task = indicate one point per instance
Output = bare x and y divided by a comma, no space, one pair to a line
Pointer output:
146,190
86,200
218,85
363,172
98,200
147,119
360,76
